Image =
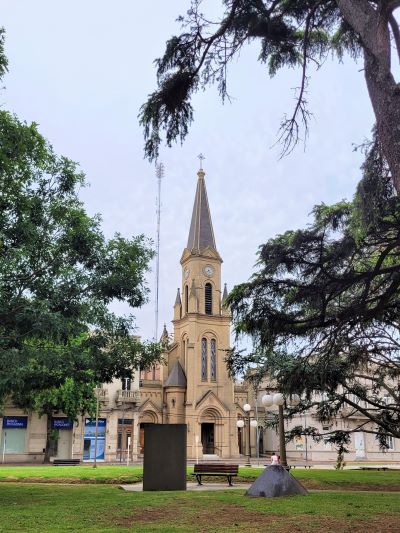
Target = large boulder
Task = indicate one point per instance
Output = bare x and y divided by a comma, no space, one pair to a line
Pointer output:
276,481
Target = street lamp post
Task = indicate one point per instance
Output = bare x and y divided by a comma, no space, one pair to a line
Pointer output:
250,423
279,400
97,392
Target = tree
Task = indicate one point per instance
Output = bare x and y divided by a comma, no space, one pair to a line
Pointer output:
323,310
58,275
3,58
291,34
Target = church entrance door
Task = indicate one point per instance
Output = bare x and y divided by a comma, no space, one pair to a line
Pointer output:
207,438
240,440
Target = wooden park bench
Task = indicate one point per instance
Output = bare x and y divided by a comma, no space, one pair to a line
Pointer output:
66,462
305,465
374,468
215,469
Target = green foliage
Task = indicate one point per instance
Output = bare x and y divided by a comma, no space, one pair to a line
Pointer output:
340,462
291,34
58,275
323,309
3,58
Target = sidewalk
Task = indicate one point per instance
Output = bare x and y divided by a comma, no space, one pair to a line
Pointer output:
138,487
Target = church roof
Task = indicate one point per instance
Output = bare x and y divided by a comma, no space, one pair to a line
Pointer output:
225,294
201,232
178,300
176,377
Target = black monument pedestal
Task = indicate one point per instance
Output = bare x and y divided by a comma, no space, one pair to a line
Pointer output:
164,465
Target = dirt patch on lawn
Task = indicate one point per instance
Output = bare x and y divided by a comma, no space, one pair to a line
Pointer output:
201,520
226,517
313,484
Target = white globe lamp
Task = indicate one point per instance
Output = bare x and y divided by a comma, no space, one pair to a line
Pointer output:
267,400
253,423
240,423
278,399
247,407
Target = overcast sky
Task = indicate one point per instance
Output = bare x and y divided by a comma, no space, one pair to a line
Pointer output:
82,69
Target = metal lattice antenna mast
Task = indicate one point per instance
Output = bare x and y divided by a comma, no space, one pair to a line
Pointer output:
159,175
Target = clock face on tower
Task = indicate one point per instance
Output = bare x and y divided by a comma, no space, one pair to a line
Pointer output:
208,270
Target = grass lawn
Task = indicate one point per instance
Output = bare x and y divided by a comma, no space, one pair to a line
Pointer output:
103,508
313,479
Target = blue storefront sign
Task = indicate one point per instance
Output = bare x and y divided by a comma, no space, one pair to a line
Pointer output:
61,422
15,422
90,439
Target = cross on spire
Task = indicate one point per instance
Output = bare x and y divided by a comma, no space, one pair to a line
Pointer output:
201,158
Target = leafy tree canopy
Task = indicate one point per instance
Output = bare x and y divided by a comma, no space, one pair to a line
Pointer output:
324,306
298,34
58,275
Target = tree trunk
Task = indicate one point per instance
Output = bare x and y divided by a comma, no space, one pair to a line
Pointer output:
372,26
384,93
47,451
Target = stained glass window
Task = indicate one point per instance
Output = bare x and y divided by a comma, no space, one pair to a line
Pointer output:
204,359
213,361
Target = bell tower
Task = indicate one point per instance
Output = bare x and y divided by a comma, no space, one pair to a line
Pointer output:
201,338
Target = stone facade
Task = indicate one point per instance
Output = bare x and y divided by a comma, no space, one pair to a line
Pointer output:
194,387
23,435
363,446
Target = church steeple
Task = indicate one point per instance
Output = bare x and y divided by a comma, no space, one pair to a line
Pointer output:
201,232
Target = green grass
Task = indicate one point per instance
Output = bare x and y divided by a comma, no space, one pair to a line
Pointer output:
314,478
101,508
101,474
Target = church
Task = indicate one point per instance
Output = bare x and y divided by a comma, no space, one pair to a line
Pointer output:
193,387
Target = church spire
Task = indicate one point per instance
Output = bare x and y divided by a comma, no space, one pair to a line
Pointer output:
201,232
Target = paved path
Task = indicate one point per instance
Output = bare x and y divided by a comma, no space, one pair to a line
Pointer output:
138,487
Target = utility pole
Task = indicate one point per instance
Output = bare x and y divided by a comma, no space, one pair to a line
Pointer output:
159,175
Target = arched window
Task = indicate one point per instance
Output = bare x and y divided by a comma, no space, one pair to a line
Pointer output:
204,359
185,352
186,299
213,360
208,298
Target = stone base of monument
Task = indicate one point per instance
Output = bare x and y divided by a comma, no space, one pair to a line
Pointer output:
276,481
164,463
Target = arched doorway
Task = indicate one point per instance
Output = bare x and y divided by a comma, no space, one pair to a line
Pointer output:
147,418
211,431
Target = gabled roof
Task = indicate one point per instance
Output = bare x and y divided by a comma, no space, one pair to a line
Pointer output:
210,398
176,377
201,232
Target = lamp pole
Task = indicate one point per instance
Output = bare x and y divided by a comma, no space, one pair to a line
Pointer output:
250,423
97,428
279,400
248,440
